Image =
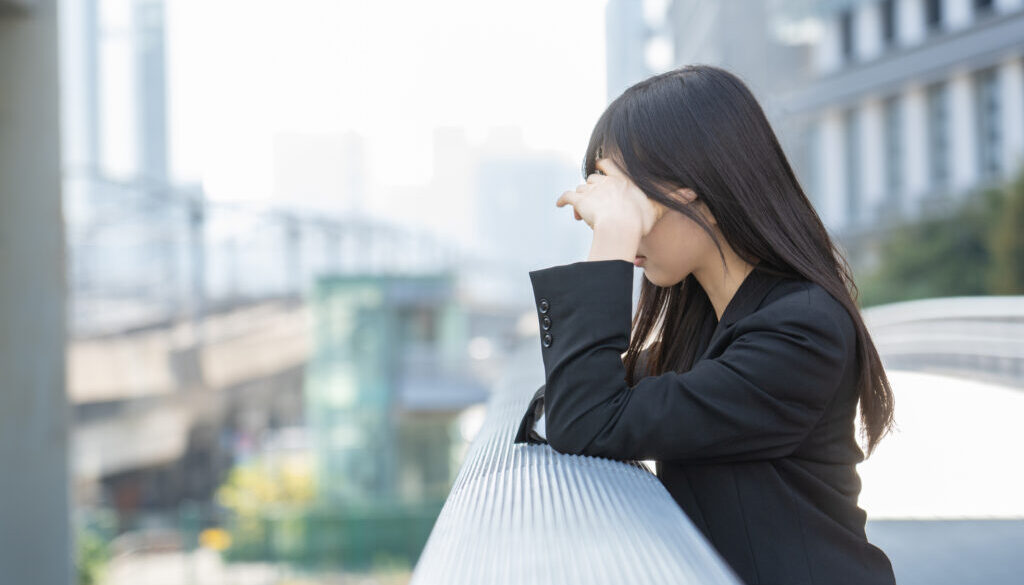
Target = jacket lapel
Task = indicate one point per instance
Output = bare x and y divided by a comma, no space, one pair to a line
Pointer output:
747,298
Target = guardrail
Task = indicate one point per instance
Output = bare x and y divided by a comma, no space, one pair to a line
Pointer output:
979,337
520,513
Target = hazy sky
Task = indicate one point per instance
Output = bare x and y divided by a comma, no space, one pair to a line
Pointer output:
243,70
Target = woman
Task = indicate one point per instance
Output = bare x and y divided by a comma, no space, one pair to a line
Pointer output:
741,371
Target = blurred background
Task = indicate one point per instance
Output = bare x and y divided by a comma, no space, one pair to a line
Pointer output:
288,259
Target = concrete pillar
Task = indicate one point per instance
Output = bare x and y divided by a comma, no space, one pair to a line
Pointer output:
833,171
909,22
1011,100
872,156
915,148
963,150
826,55
867,31
956,14
35,535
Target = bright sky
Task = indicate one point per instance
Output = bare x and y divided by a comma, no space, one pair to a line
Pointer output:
242,71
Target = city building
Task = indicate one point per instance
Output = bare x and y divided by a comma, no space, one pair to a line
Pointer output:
889,110
911,106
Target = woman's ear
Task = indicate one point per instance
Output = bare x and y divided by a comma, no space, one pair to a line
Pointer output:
684,195
689,196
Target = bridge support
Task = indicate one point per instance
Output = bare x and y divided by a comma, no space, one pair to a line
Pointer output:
35,535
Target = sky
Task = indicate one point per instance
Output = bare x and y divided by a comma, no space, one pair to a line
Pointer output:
242,71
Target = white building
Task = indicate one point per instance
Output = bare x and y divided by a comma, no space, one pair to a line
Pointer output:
887,109
912,105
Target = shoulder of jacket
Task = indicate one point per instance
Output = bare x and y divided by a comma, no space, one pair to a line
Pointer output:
807,299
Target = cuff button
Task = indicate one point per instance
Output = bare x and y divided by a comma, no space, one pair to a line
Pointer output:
547,340
546,322
544,305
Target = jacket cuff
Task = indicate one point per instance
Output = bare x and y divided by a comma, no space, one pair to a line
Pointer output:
578,304
527,432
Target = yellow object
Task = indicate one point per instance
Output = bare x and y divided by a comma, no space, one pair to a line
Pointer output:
215,538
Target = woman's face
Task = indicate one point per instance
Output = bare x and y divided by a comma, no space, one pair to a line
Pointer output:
677,246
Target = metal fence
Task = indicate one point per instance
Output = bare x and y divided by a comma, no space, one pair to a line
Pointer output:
520,513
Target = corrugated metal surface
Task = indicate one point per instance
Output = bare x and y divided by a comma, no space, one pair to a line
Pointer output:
521,513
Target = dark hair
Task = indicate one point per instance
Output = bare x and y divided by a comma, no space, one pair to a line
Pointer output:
700,127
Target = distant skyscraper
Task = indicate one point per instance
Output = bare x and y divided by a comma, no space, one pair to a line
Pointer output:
626,35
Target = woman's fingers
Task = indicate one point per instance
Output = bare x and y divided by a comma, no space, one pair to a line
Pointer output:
569,197
566,197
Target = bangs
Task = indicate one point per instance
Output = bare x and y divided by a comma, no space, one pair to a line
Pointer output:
602,142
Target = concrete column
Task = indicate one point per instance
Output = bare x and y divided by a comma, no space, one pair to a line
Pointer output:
1011,100
872,154
915,148
956,14
909,22
867,30
826,53
833,172
35,535
963,152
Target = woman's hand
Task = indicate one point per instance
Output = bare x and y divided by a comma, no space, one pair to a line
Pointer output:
612,199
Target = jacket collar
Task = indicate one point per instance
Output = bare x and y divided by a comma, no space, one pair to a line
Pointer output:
748,296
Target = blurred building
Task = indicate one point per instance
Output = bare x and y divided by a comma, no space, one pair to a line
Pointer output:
388,351
887,109
187,332
626,37
638,41
764,42
517,221
505,195
386,383
913,104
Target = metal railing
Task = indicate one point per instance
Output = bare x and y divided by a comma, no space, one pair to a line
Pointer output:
979,337
520,513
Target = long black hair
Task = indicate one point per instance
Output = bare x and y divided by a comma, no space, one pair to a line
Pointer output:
701,127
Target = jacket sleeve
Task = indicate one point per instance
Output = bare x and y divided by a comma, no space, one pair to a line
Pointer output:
531,425
757,400
526,432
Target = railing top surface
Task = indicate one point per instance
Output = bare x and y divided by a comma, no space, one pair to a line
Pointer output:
520,513
1009,308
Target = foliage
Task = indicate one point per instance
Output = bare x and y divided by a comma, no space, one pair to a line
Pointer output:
977,249
92,556
260,485
1007,243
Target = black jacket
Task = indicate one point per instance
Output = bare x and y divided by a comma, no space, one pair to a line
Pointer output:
755,442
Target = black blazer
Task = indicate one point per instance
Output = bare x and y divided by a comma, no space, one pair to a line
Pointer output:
755,442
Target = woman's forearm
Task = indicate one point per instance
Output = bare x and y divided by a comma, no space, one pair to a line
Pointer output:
614,241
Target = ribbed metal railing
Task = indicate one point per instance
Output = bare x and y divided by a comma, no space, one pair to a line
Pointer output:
975,337
520,513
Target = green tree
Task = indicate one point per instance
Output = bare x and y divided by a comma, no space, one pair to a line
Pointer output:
1006,274
947,255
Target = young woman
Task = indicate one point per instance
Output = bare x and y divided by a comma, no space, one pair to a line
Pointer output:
741,372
